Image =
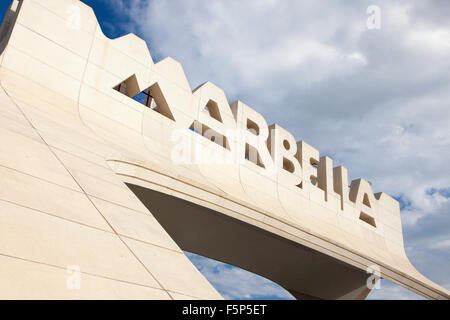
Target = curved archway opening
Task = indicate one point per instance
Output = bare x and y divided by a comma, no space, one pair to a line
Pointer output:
234,283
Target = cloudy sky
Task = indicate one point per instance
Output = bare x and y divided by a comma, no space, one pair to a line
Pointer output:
375,100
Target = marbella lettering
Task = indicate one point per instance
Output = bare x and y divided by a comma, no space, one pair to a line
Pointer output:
238,136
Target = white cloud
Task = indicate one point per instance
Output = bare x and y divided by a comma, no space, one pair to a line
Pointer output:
436,40
391,291
441,245
234,283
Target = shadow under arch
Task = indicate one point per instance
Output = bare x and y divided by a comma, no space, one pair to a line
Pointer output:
303,272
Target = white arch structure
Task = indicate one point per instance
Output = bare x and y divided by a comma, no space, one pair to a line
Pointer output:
94,179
